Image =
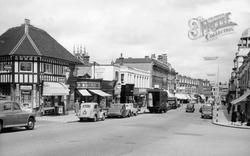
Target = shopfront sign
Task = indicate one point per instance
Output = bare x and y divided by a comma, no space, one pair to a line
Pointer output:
25,87
88,85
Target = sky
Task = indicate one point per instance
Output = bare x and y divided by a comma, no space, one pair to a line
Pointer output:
138,28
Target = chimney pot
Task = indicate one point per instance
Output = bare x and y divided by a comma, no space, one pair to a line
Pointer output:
27,21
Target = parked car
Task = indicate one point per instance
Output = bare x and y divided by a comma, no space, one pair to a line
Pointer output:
206,111
91,111
132,109
118,110
11,115
172,103
190,107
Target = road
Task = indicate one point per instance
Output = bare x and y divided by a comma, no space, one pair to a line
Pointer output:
172,133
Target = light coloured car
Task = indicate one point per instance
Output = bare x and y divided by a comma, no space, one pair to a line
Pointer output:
91,111
206,111
118,110
11,115
131,109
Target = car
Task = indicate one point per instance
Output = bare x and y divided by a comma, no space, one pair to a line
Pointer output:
206,111
190,107
132,110
118,110
172,104
11,115
91,111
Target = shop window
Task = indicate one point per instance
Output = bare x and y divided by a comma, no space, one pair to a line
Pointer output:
25,66
1,66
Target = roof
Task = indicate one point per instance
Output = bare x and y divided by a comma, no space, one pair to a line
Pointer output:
29,40
246,33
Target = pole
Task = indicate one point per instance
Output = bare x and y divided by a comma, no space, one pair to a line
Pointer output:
218,92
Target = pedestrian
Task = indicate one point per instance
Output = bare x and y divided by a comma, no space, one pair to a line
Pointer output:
228,108
76,107
233,117
242,116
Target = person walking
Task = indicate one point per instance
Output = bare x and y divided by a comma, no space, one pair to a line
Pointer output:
228,108
76,107
242,116
233,117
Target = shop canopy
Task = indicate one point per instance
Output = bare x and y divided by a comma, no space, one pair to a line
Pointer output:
203,97
170,95
99,92
54,89
241,98
192,97
180,96
84,92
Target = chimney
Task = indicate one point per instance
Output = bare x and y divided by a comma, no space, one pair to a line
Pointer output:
165,58
121,59
153,56
146,57
160,58
26,21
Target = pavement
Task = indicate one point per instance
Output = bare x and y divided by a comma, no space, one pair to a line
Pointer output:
222,118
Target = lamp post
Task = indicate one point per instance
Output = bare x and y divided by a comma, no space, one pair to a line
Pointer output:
217,101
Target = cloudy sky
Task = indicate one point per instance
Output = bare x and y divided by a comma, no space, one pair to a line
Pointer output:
136,28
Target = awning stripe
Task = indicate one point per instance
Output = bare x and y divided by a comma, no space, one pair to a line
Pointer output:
99,92
54,88
84,92
241,98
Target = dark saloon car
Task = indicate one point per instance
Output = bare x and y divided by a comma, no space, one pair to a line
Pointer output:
118,110
190,107
11,116
206,111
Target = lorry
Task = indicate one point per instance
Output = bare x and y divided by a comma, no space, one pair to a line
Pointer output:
157,101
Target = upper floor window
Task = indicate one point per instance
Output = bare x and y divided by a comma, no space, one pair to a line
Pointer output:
2,66
48,68
25,66
122,78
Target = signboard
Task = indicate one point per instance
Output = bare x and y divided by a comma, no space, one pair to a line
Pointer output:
7,67
23,87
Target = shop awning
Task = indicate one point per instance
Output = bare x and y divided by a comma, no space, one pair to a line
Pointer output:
180,96
101,93
170,95
187,96
193,98
54,88
241,98
84,92
203,97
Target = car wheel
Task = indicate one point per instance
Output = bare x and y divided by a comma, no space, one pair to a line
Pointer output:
31,124
1,126
95,119
136,113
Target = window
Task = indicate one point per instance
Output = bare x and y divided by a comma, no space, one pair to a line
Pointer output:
1,66
48,68
7,106
16,106
122,78
25,66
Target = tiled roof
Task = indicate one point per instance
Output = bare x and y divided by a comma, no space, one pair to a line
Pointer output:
35,42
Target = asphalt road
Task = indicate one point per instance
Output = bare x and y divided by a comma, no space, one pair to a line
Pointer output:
173,133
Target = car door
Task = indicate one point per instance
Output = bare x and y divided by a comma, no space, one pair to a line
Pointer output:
97,110
21,116
9,114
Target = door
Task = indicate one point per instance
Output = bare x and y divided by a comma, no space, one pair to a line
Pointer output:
9,114
21,117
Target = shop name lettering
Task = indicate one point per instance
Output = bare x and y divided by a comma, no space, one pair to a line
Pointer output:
88,85
210,28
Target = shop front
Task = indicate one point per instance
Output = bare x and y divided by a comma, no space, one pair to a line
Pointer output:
89,90
54,97
140,97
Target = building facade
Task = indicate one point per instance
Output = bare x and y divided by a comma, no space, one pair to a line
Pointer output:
35,70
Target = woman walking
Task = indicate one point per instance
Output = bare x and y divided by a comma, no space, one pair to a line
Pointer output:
234,117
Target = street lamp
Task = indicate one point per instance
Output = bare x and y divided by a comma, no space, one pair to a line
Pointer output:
218,86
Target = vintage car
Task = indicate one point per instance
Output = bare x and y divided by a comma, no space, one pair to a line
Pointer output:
133,111
190,107
172,102
118,110
206,111
91,111
11,116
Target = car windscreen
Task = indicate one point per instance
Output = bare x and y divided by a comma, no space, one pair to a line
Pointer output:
86,106
207,108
